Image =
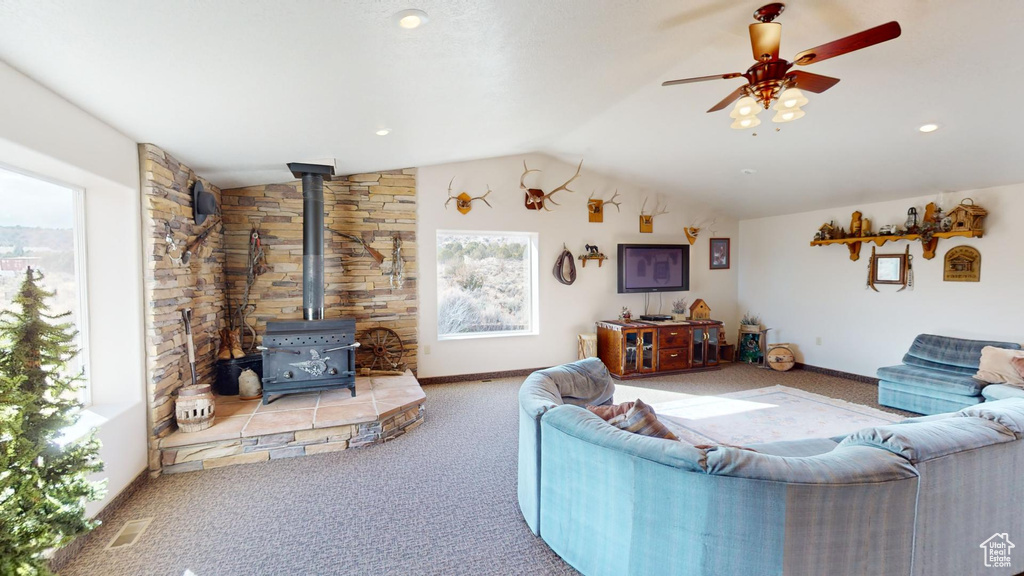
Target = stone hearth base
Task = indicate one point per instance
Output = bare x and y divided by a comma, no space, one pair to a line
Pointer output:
384,408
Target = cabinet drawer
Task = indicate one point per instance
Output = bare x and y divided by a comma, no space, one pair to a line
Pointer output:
674,359
673,337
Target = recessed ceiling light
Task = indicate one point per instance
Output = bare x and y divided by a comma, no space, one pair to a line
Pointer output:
748,171
411,18
929,128
383,132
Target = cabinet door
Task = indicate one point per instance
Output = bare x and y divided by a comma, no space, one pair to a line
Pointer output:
697,359
711,356
648,355
630,351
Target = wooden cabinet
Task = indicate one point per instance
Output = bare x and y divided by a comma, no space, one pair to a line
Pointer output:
635,349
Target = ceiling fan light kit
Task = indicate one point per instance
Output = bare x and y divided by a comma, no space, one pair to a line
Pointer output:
770,79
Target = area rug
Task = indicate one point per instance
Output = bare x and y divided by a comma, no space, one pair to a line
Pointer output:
765,415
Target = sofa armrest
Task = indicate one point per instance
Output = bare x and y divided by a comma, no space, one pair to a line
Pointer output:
921,441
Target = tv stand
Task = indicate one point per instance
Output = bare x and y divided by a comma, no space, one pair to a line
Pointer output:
635,349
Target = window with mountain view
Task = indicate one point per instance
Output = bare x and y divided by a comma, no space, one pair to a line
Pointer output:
486,284
40,228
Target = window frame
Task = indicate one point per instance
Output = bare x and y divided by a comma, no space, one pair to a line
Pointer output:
81,275
533,243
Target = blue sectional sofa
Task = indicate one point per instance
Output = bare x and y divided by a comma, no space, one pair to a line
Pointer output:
936,375
915,498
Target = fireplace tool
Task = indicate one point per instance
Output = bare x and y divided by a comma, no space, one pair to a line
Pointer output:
186,317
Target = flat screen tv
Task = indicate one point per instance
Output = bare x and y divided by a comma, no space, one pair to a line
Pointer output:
654,268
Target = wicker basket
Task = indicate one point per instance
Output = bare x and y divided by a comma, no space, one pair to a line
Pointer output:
194,408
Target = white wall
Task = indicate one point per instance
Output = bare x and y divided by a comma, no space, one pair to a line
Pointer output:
805,292
565,311
45,135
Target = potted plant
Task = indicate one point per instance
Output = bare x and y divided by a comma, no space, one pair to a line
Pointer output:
679,309
750,322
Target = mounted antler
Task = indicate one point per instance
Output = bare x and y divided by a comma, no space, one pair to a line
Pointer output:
464,202
595,206
694,229
647,220
535,198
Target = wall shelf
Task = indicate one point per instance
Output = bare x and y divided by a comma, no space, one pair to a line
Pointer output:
854,244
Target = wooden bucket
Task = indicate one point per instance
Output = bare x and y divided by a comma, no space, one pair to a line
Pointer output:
194,408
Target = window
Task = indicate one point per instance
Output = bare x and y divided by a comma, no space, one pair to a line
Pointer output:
486,284
42,227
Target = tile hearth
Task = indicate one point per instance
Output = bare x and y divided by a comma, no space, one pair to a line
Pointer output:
244,431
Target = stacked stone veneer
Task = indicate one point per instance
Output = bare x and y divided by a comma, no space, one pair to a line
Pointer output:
209,455
377,207
169,288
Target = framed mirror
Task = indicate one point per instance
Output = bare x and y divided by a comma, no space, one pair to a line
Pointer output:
889,269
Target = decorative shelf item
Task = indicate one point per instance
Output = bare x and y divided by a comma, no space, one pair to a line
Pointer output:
593,253
928,236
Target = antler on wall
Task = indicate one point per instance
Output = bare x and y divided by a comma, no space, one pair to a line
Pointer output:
647,220
535,198
595,206
464,202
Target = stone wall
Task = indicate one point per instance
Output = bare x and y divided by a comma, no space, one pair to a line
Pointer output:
170,287
376,207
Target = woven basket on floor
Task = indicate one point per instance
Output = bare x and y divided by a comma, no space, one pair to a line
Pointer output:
194,408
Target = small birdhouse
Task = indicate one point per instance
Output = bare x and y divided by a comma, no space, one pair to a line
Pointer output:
700,310
966,217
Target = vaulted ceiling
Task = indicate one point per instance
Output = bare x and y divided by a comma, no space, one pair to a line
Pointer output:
238,88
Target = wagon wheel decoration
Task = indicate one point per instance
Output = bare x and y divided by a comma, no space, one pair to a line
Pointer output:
386,348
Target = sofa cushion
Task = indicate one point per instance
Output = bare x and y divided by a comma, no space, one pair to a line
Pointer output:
923,441
996,366
582,382
951,382
641,419
844,465
1001,391
950,354
1008,413
803,447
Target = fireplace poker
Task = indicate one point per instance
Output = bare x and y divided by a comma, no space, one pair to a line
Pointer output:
186,317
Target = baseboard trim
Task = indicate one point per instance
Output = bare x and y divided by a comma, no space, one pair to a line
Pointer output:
837,373
479,376
61,557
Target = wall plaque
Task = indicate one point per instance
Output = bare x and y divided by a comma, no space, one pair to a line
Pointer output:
962,264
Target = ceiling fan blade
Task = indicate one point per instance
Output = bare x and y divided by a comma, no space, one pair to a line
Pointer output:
764,39
813,82
857,41
702,79
728,99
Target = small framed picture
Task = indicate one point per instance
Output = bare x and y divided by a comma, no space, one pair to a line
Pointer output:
720,254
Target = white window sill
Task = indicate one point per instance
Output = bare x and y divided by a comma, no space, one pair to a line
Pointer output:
95,416
474,335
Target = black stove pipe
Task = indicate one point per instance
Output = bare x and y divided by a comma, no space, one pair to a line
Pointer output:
313,176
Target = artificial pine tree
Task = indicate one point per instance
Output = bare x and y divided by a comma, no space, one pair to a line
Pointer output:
43,485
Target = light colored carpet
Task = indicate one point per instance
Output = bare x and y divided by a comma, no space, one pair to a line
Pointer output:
439,500
769,414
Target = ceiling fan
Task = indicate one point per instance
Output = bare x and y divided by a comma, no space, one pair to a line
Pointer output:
770,79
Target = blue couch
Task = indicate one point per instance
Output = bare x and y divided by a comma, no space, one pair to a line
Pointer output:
936,375
915,498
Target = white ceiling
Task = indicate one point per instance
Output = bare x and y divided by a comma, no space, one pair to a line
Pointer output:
236,89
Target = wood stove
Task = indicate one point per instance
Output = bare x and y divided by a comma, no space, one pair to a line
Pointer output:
313,353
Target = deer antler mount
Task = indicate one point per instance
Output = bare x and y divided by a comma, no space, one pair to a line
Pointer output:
464,202
595,207
647,220
535,198
694,230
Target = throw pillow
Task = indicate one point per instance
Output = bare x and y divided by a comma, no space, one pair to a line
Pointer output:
1018,365
609,411
641,419
996,366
